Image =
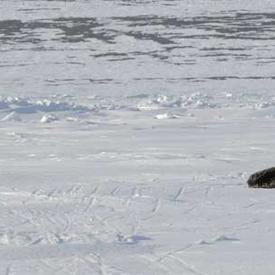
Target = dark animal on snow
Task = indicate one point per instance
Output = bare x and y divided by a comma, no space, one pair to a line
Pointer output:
263,179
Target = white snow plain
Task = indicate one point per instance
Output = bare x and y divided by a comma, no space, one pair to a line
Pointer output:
117,191
127,134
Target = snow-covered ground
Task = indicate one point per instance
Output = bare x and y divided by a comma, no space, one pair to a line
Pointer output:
128,130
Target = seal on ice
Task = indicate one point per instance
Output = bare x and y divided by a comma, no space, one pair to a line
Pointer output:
263,179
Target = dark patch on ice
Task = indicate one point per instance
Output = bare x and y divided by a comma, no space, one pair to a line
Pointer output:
149,36
257,26
71,29
101,80
111,54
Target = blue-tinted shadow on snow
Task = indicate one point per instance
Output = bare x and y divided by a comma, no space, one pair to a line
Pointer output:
134,239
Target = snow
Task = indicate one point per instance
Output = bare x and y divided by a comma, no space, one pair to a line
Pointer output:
128,130
123,192
48,118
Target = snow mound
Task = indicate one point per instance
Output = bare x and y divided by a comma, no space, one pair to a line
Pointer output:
195,100
221,238
166,116
48,118
27,105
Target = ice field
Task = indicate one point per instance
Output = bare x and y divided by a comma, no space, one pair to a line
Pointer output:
128,129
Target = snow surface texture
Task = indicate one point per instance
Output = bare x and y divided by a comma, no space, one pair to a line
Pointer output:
128,130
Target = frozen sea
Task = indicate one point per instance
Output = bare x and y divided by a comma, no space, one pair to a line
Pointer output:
128,129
